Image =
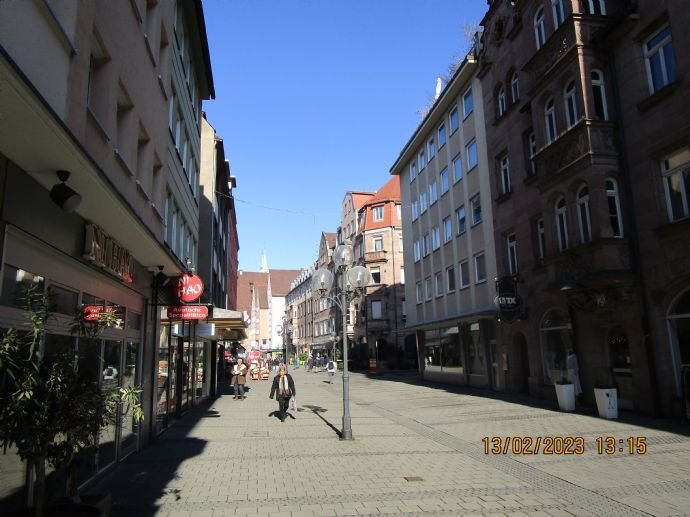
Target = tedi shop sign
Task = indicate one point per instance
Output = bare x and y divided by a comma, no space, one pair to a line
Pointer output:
188,288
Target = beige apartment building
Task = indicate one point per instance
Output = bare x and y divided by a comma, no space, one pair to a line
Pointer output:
88,164
325,312
450,261
379,316
299,311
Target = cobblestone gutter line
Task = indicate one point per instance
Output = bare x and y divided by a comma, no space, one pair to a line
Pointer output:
592,502
681,485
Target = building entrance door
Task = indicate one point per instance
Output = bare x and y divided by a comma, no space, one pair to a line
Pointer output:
619,350
518,365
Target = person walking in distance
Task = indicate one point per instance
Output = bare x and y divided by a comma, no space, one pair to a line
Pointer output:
283,388
331,367
239,379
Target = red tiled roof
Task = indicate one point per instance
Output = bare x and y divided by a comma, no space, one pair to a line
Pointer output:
281,280
244,289
359,198
391,190
330,239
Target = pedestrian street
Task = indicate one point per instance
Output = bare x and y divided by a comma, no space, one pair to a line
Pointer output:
417,450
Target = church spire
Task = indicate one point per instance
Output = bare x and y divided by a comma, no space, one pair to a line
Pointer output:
264,262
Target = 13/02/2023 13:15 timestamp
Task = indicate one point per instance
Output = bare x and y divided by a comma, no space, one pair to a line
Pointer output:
563,445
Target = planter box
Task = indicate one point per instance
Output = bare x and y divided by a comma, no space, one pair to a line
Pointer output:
607,402
566,396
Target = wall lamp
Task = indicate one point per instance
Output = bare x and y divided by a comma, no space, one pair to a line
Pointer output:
63,196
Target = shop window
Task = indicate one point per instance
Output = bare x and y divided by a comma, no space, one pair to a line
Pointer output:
471,335
63,301
432,350
679,324
556,336
133,321
15,282
451,349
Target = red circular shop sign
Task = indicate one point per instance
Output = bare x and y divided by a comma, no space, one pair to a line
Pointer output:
188,288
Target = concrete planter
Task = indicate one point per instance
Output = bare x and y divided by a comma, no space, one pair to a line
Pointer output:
607,402
566,396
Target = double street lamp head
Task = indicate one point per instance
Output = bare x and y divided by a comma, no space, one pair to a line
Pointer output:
357,278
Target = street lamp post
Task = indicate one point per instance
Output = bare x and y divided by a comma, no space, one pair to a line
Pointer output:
285,331
352,282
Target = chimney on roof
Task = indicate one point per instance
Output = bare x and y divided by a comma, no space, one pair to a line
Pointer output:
439,87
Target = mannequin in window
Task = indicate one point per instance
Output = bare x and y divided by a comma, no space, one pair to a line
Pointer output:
573,371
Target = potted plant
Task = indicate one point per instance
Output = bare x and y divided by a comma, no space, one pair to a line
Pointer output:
606,394
50,412
565,391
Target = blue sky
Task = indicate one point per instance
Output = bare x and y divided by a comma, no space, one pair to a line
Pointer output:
318,97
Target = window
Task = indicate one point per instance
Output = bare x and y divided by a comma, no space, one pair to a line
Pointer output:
444,181
599,91
660,60
515,87
504,165
436,237
377,212
454,121
403,309
398,211
375,275
583,214
415,210
423,202
570,100
561,224
457,168
501,101
413,171
441,136
614,205
375,309
595,7
541,241
539,28
462,223
425,244
480,268
467,104
96,89
438,280
476,204
531,151
450,279
400,242
378,243
447,230
512,255
433,192
417,251
421,159
431,149
558,12
676,176
402,275
427,288
471,151
550,120
418,289
556,339
464,274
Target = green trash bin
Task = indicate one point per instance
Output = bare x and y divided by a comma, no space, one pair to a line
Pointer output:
340,364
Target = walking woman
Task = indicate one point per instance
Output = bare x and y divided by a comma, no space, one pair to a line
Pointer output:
239,379
283,388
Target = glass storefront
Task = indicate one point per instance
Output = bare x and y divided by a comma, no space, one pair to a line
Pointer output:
556,339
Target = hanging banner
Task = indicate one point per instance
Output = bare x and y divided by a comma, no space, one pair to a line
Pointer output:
187,312
507,299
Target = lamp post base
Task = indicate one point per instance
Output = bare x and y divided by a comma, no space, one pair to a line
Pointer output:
346,433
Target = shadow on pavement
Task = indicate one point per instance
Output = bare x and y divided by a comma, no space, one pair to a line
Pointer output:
317,410
151,473
411,377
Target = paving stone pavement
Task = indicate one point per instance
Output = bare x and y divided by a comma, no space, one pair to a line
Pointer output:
418,449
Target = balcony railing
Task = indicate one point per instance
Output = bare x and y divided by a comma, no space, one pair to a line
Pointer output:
374,256
586,138
599,261
555,48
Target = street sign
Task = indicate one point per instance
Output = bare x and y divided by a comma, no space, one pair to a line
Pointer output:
507,300
188,288
187,312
